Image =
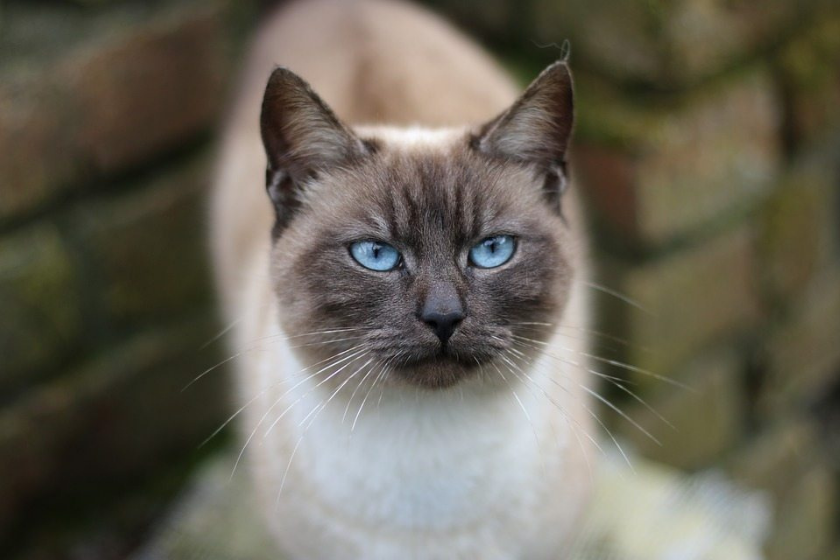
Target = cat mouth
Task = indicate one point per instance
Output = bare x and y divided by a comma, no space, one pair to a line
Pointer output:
442,357
439,369
465,353
443,354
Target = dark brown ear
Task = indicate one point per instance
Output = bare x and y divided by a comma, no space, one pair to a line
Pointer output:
537,128
302,136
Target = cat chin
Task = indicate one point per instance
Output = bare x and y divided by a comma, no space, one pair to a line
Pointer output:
440,371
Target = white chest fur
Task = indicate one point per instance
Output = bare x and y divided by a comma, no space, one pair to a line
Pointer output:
471,472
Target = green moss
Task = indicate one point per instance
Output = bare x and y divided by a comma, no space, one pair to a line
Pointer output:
40,301
812,60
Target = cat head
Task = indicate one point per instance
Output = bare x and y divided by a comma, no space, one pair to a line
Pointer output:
419,254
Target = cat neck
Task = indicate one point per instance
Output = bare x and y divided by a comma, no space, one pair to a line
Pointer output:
405,444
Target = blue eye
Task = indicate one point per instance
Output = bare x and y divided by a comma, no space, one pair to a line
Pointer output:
375,255
493,251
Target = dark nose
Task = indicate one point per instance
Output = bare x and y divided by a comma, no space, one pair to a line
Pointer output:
443,312
443,324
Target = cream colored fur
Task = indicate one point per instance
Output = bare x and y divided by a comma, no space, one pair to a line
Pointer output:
459,473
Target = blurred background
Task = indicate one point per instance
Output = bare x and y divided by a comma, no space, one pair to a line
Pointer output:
708,143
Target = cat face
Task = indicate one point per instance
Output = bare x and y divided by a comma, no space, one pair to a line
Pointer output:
422,253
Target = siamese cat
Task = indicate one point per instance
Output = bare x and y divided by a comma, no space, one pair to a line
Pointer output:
398,256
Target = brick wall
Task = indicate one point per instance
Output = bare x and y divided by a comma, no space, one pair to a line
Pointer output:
105,114
708,143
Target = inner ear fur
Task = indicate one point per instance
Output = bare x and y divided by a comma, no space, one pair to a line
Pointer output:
537,128
301,136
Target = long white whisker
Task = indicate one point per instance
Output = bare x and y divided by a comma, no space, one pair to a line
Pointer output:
569,362
635,369
330,341
615,363
208,370
327,378
380,375
588,410
644,403
528,381
221,333
616,295
286,472
352,357
273,385
621,412
319,408
251,347
600,334
363,366
277,337
615,381
573,425
353,395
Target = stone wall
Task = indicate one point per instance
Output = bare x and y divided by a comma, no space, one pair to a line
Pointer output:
708,143
105,114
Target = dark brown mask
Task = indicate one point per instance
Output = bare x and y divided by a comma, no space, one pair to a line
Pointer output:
424,257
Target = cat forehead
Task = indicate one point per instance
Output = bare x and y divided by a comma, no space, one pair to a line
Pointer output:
437,162
423,183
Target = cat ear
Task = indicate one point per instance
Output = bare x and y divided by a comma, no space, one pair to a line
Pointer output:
537,127
302,136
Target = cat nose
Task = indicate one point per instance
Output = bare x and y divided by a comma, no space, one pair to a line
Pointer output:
443,312
444,324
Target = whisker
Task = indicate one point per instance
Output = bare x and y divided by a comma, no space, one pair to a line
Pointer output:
644,403
319,408
221,333
642,371
610,337
574,427
249,348
353,395
208,370
621,412
611,436
524,410
589,411
554,402
599,374
327,378
330,341
283,336
286,472
518,400
615,294
262,392
351,357
382,372
618,383
612,362
341,386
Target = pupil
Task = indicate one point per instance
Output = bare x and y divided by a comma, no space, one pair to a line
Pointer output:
376,251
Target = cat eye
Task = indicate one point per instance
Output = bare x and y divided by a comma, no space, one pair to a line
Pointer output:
493,251
375,255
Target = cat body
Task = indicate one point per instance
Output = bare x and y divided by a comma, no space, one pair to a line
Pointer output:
369,432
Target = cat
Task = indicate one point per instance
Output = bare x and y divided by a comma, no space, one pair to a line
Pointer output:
398,254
